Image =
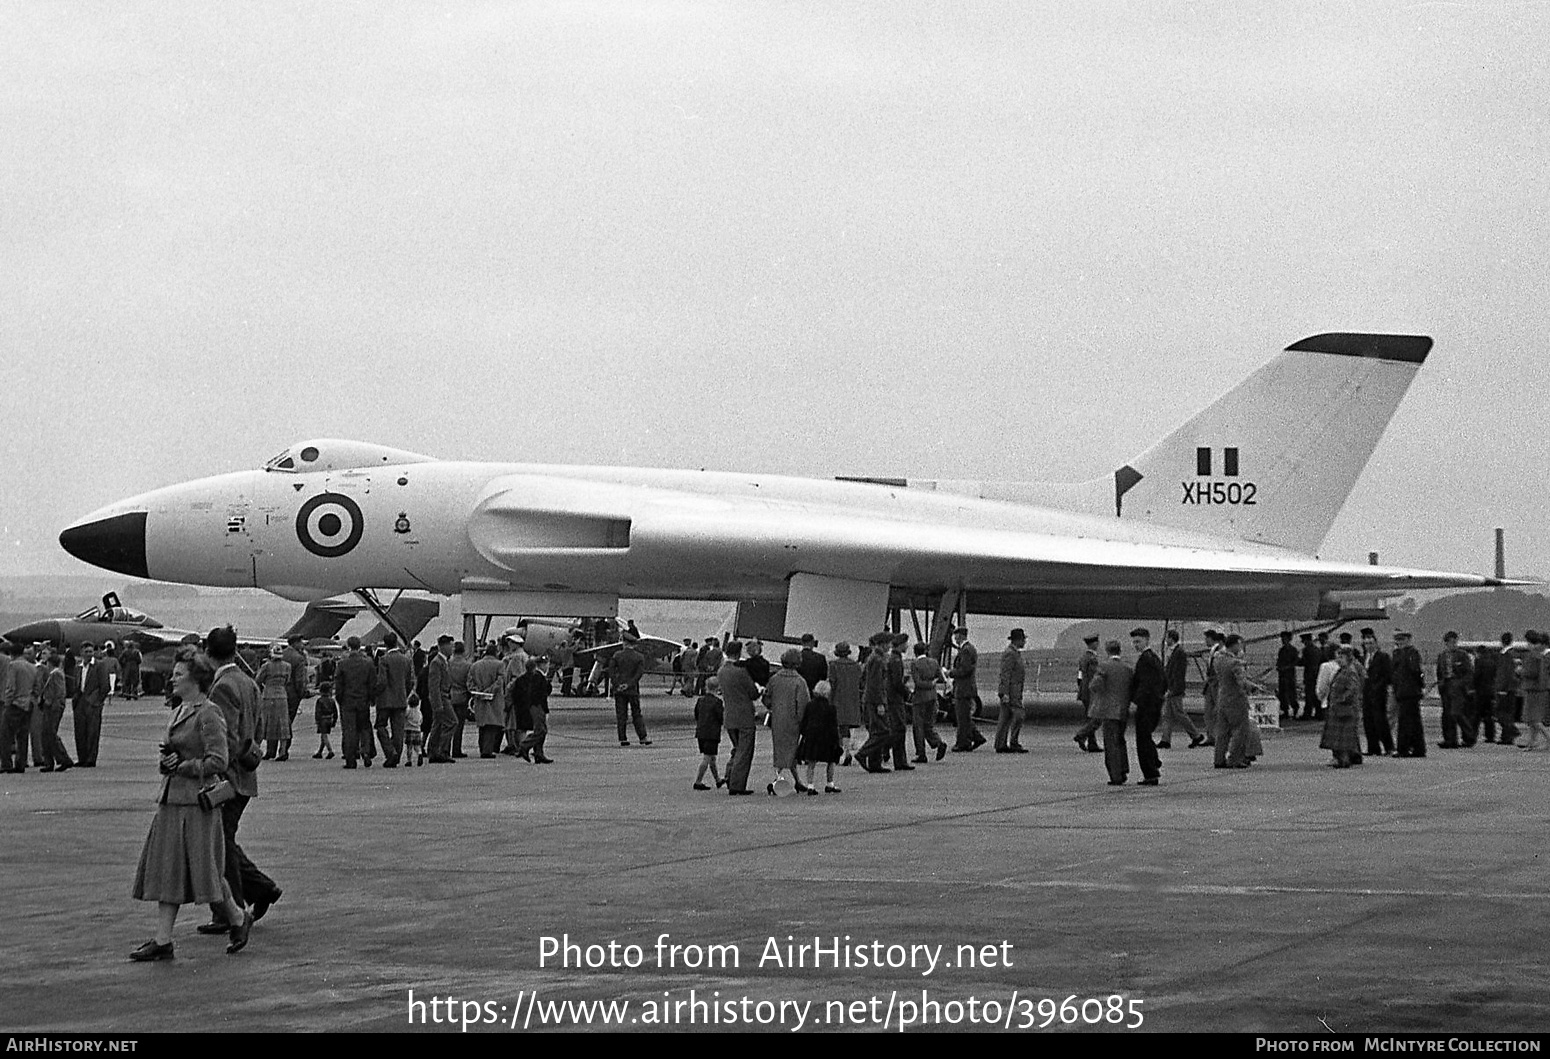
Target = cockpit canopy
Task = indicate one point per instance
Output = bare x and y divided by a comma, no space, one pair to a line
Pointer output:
332,454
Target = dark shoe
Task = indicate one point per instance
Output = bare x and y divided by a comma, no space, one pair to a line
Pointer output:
920,759
330,755
830,788
719,783
1198,740
738,794
904,768
261,905
66,767
487,756
239,934
802,788
1019,749
46,768
543,761
215,926
622,742
1208,741
1147,782
847,760
367,762
459,754
769,788
86,764
979,740
1116,783
645,742
941,752
152,951
522,753
1094,748
348,765
1081,744
1165,745
283,757
318,756
1447,746
1003,750
963,750
701,787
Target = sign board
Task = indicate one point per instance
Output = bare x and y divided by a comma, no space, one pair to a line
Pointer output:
1265,711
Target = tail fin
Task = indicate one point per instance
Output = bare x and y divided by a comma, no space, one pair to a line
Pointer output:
409,615
1274,459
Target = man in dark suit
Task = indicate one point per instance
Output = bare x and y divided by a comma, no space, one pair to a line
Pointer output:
1312,658
237,695
355,682
395,679
814,666
1147,688
625,669
1375,696
297,686
1286,676
1175,672
88,707
1111,709
966,660
438,690
738,695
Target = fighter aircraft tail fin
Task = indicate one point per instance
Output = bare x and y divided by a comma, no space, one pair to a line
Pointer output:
1274,459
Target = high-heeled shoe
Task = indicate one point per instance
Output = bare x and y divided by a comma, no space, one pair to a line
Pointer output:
330,755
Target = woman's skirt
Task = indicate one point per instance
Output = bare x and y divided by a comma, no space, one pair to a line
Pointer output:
274,719
184,857
1341,734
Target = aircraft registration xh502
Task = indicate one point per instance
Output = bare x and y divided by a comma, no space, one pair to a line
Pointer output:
1218,520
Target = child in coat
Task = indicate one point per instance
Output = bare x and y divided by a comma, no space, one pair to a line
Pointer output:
708,714
325,713
414,743
820,737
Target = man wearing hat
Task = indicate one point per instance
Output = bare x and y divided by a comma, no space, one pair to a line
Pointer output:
874,703
1409,684
1455,678
1286,676
438,698
898,704
845,694
395,679
1009,690
297,686
1312,658
1147,688
1086,666
625,669
738,695
966,659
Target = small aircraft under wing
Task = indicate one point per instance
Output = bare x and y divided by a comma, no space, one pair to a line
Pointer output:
1216,521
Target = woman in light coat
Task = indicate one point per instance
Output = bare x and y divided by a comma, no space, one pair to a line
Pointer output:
785,696
274,709
184,858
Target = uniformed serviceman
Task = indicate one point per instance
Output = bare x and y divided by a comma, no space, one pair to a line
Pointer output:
1086,666
1312,659
1508,683
1375,696
874,703
965,689
1148,686
898,704
1286,676
1409,684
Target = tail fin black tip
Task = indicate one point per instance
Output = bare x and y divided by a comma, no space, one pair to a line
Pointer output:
1411,349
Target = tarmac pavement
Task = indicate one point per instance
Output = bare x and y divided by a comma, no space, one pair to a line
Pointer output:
1401,895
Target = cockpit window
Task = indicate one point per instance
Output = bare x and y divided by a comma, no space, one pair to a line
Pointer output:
283,462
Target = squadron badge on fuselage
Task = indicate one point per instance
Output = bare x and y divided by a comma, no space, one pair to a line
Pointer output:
402,525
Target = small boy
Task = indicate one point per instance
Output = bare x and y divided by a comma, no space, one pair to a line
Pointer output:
414,744
707,732
325,713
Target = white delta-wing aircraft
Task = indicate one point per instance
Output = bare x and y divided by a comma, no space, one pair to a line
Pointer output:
1219,520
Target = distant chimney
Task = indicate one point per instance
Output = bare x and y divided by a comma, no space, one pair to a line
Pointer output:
1372,558
1501,553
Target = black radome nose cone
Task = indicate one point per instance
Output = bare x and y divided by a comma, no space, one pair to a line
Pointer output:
116,543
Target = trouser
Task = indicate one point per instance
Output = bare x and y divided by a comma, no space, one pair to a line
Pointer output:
248,884
1412,737
15,726
1115,757
898,732
36,722
534,740
879,738
88,730
923,721
1173,714
1457,728
743,740
1286,691
463,717
390,734
292,706
355,738
568,680
490,739
1507,712
438,741
1232,736
132,683
1084,734
1009,726
963,710
1482,713
1375,721
627,708
54,747
1310,693
1146,750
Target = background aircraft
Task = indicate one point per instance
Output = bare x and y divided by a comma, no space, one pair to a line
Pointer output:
1213,522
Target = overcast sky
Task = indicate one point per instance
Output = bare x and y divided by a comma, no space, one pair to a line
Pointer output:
957,240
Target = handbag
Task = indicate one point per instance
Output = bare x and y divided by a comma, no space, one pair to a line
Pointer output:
217,792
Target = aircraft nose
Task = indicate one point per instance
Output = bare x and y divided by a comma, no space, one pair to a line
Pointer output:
35,632
114,543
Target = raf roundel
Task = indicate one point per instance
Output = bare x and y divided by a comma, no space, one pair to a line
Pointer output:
330,525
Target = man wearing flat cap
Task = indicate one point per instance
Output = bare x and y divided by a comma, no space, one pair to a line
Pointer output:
1009,690
1455,680
1085,737
1409,684
438,699
966,661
